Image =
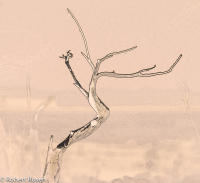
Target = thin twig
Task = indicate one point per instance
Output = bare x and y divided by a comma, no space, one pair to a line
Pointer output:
109,55
87,55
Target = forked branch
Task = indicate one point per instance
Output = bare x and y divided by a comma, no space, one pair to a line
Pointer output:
109,55
76,82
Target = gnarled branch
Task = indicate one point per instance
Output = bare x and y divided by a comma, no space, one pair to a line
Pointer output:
140,73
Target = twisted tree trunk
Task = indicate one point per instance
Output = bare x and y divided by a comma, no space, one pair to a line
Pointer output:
54,155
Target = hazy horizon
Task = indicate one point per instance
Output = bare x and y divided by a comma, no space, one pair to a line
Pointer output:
153,132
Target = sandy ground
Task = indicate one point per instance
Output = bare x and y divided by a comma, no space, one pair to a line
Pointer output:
131,147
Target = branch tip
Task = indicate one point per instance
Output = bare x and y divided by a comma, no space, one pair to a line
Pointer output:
109,55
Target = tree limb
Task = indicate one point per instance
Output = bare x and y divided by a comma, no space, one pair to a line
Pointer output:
87,55
76,82
109,55
140,73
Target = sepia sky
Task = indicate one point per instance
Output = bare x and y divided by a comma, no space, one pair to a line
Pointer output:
153,133
34,33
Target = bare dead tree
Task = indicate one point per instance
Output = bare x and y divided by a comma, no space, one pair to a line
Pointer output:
54,155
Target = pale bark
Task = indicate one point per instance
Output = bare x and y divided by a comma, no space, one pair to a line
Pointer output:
54,155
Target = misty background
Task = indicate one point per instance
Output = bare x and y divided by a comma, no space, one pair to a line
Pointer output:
152,135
